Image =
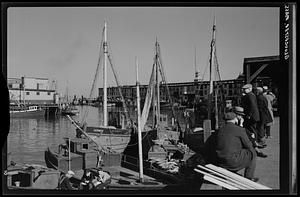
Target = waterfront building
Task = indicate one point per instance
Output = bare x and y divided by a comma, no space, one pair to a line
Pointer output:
187,92
256,70
31,90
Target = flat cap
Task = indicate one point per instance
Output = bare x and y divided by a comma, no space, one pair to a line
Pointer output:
259,89
70,172
229,116
246,86
238,110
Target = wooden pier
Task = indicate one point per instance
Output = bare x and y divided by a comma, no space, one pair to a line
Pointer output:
51,109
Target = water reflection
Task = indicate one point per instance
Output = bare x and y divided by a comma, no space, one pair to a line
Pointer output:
28,138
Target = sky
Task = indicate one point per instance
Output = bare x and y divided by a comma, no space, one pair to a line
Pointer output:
62,43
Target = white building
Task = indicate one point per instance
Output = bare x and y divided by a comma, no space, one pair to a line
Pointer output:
31,90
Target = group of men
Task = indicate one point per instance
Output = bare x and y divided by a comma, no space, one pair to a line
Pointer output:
89,181
236,144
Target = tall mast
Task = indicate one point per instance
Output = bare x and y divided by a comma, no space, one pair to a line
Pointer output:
157,84
212,53
105,77
24,91
139,123
196,71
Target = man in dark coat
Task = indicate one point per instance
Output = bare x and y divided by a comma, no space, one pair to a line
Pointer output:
249,104
264,113
239,111
234,151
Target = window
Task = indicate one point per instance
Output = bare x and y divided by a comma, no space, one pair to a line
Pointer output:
9,85
27,93
37,93
48,93
85,146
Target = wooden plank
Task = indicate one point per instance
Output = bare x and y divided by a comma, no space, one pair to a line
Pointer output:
226,177
237,177
225,185
222,181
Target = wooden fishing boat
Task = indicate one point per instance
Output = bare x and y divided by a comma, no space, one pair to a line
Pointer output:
83,156
31,176
26,111
75,153
207,114
108,138
71,111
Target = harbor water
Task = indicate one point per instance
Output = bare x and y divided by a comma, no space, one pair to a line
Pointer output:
28,138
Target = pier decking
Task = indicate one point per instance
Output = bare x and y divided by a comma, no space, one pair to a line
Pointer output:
267,169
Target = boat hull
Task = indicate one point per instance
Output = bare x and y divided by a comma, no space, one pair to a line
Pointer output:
21,114
110,139
195,141
147,143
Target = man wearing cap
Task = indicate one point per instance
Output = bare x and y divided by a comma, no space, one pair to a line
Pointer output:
65,181
249,104
265,116
239,111
270,98
234,151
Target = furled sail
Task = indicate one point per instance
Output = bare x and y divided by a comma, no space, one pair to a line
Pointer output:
148,99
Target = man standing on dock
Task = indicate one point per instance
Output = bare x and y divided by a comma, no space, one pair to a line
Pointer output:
249,104
264,113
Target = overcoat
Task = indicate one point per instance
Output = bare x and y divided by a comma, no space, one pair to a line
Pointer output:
234,150
264,113
249,104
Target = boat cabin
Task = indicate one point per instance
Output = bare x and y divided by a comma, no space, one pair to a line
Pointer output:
31,177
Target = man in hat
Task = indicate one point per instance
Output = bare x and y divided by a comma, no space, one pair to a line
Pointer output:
249,104
270,98
234,151
239,111
64,183
265,116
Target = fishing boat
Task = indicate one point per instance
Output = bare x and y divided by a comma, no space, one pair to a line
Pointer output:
84,155
206,116
70,110
107,137
26,111
31,176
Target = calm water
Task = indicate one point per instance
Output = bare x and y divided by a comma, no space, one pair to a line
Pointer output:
28,138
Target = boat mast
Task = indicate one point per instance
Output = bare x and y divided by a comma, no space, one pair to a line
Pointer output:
157,84
105,77
196,71
212,53
139,123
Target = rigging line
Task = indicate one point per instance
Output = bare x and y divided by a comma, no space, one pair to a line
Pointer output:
162,72
220,84
96,75
207,64
127,115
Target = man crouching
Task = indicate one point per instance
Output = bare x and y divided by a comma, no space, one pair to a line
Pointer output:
234,151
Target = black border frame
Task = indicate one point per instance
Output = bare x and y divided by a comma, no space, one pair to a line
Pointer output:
285,95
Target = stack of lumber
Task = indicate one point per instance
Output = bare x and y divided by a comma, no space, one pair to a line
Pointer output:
227,179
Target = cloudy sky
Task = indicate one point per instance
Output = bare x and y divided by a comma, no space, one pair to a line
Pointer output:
62,43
